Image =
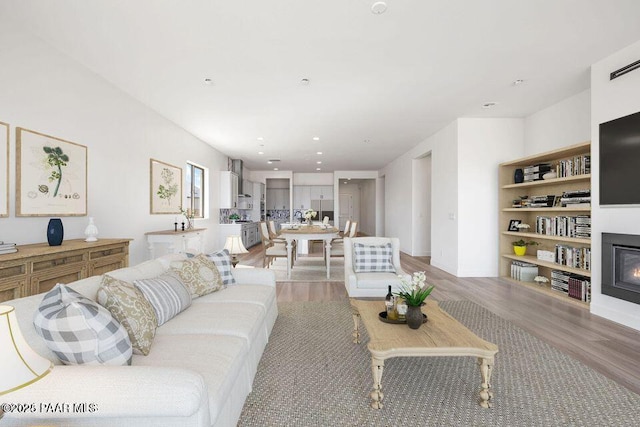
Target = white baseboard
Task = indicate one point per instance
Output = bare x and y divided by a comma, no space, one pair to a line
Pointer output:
616,315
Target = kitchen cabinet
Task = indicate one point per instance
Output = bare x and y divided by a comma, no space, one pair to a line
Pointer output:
321,192
248,233
228,190
278,199
246,199
301,196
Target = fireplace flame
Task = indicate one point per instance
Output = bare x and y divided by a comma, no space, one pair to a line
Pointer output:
636,272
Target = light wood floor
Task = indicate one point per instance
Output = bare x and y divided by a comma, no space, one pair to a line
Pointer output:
607,347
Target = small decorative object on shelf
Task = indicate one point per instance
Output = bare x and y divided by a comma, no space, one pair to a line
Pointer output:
234,217
91,231
518,176
175,226
309,214
188,215
55,232
520,246
523,227
414,293
182,225
540,280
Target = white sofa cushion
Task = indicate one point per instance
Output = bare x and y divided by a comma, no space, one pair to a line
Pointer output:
131,309
79,331
166,293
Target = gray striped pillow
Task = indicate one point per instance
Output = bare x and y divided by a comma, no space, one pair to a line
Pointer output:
166,293
79,331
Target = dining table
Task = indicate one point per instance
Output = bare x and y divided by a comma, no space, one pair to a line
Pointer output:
309,232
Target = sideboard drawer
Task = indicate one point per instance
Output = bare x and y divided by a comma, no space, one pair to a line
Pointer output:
114,250
45,282
12,270
11,290
50,262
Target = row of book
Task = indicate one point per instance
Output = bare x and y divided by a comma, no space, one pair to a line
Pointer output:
7,248
574,285
578,165
565,226
536,172
573,257
523,271
576,198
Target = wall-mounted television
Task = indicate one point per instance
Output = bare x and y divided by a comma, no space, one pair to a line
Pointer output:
620,161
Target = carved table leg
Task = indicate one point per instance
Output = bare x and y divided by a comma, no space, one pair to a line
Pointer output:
486,365
356,326
377,366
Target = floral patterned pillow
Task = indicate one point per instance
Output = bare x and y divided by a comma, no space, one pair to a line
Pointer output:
199,274
131,309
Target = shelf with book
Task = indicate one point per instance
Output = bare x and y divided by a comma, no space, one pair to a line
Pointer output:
574,161
546,289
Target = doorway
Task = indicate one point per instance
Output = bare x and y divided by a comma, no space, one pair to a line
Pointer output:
421,245
346,209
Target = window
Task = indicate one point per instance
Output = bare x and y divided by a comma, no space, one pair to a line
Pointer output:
195,190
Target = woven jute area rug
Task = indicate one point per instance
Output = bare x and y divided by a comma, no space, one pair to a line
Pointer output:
312,374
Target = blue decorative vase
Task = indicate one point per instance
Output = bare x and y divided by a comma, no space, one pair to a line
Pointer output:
55,232
518,176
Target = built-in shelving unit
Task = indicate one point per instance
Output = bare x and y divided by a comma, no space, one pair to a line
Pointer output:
509,191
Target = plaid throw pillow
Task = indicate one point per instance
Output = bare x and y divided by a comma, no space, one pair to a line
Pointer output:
79,331
222,260
373,259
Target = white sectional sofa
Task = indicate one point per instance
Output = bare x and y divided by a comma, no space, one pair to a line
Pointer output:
199,371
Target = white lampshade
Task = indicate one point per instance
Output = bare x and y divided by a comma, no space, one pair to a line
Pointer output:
19,364
234,245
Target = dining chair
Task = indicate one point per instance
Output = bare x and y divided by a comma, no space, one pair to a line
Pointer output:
271,249
337,245
325,220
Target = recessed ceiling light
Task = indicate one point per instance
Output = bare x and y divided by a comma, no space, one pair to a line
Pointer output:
275,169
316,138
269,162
260,152
489,104
319,162
305,82
208,81
366,141
318,169
260,138
379,7
518,82
319,153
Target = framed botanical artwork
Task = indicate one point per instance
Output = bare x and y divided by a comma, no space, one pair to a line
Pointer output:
166,188
4,174
51,175
513,225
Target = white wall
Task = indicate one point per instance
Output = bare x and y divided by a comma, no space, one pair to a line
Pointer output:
611,100
312,178
368,207
421,216
566,123
44,90
482,145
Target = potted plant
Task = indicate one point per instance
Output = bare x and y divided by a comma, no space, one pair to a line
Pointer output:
414,293
309,214
234,217
520,246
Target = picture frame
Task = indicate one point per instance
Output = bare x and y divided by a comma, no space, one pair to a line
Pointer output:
4,177
165,188
51,175
513,224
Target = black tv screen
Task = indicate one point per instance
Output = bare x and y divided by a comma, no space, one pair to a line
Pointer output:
620,161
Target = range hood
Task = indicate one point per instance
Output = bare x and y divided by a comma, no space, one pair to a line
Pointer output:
236,167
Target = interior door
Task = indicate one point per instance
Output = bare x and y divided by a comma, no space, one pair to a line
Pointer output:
346,209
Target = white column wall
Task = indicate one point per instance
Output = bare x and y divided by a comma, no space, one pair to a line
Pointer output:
611,100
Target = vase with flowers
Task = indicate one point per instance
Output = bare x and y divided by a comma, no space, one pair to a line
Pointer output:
309,214
414,293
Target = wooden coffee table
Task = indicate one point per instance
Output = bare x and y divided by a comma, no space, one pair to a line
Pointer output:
442,335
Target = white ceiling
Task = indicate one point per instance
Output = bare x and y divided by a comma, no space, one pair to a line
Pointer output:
393,79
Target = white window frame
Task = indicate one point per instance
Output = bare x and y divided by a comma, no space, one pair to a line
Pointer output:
205,192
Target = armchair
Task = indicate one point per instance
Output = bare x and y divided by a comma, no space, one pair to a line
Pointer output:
366,284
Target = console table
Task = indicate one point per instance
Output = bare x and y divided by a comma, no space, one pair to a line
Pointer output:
176,240
37,268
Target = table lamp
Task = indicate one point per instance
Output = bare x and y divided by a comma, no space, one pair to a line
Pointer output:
234,246
19,364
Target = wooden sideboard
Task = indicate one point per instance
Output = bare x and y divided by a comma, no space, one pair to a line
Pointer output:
37,268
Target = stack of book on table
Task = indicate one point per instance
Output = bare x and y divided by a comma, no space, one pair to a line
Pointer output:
523,271
574,285
7,248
